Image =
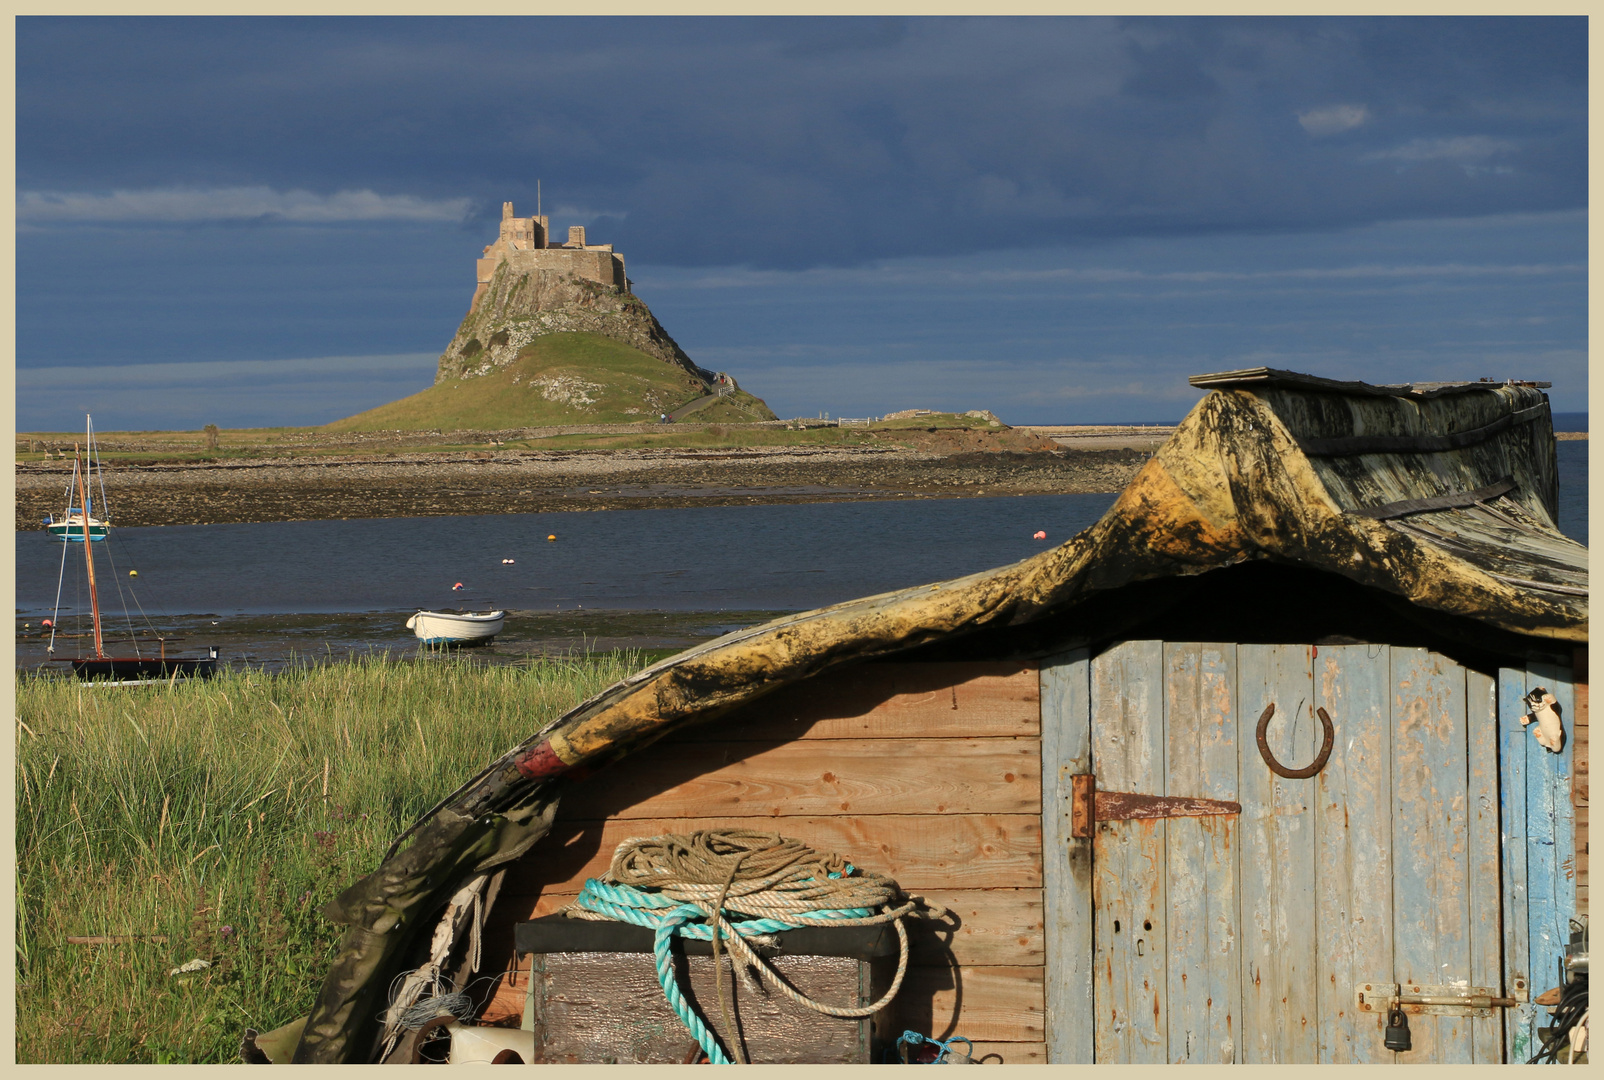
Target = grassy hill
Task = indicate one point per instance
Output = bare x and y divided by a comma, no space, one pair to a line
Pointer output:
571,378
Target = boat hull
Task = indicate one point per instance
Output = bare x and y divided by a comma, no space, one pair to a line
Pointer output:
73,532
143,667
452,628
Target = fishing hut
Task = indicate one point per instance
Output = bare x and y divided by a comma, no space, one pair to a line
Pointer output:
1245,772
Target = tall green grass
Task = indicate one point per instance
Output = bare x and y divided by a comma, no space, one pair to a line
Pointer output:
221,815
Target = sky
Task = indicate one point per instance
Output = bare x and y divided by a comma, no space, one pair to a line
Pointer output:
265,221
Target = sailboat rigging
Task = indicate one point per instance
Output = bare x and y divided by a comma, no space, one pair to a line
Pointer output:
100,665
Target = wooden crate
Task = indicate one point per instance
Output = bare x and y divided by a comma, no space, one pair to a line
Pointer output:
599,1000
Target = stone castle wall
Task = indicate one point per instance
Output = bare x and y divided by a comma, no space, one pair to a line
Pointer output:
525,243
528,287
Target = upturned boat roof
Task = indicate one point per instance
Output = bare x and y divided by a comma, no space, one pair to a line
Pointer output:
1442,496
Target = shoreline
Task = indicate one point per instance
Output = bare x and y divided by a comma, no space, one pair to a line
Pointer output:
545,481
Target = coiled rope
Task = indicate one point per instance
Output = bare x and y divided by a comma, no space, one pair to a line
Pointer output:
693,885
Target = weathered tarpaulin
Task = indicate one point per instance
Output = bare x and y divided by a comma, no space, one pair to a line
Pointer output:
1443,496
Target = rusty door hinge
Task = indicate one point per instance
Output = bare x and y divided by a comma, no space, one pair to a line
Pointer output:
1088,806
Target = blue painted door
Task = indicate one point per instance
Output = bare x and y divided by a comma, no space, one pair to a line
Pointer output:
1539,849
1249,938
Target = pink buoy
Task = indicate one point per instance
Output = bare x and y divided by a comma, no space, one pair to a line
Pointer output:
47,622
1040,535
457,586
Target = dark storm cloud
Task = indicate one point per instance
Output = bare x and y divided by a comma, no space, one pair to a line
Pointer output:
795,142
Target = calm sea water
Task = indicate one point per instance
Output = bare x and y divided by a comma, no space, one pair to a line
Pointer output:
616,577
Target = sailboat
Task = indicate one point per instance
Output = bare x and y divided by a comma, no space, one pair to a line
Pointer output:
101,665
78,521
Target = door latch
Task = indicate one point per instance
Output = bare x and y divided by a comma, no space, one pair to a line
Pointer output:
1420,999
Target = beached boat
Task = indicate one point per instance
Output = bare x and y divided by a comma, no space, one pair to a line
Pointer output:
101,665
457,627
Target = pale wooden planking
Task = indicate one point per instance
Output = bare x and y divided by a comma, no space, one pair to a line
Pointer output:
1519,1022
1431,902
1203,988
889,701
1481,728
995,926
990,1004
1127,684
934,851
1010,1053
1066,861
1550,820
817,777
1353,820
1278,941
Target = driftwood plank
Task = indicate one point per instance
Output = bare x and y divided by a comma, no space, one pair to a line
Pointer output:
1066,860
919,851
1520,1022
888,701
991,1004
817,777
1481,733
1353,902
1431,903
1277,853
1128,874
1204,990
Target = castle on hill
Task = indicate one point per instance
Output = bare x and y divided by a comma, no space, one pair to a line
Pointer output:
525,244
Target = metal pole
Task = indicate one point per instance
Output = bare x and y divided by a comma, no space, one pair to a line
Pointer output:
89,552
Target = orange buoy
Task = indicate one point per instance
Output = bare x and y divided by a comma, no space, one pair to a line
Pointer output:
553,536
1040,535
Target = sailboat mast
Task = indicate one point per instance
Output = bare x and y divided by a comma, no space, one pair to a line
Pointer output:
89,551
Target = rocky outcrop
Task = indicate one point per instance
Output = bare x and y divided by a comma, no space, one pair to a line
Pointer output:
522,305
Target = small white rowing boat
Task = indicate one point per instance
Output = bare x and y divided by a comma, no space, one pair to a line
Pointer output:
456,627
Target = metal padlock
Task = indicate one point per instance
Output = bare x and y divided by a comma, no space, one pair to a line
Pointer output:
1397,1034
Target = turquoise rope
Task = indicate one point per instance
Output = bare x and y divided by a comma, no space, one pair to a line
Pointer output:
667,917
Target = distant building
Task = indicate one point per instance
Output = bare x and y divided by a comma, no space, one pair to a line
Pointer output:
526,244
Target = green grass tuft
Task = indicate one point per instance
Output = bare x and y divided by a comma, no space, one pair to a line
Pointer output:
222,815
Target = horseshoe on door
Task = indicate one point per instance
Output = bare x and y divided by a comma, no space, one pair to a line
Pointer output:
1279,769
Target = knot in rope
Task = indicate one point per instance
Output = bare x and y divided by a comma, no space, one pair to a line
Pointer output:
692,885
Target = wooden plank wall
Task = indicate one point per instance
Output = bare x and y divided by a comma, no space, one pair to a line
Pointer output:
928,773
1541,850
1579,779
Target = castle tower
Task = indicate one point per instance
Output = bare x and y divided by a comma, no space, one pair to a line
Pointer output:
526,242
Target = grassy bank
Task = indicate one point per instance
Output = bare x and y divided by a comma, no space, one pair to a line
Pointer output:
211,820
